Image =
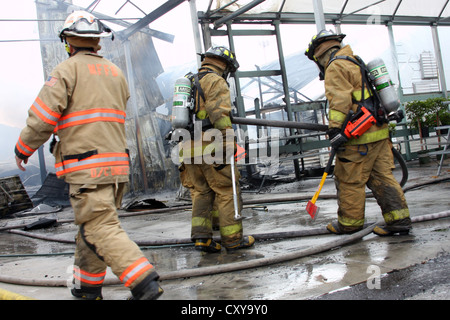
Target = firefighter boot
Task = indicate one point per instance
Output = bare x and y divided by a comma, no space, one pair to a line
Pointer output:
147,289
400,227
207,245
246,242
88,293
336,228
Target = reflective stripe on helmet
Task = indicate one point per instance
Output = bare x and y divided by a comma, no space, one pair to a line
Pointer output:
225,54
319,38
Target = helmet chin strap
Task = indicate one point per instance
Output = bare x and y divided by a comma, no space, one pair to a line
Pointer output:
68,49
226,74
67,46
71,50
327,56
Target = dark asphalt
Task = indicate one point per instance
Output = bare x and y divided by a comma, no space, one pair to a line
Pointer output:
429,280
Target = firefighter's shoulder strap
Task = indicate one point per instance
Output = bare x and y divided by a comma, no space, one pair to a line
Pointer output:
197,88
365,73
367,83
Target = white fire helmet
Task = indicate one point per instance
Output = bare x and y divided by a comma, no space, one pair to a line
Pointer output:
84,24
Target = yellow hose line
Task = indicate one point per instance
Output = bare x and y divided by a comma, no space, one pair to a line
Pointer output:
7,295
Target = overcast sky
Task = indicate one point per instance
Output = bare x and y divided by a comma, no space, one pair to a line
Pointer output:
21,64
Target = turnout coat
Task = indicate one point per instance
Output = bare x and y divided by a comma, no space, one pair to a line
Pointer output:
83,103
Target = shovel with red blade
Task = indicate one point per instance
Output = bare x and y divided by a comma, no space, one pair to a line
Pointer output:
311,207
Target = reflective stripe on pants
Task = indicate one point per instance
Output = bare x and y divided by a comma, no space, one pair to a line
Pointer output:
368,165
86,278
213,185
135,270
101,241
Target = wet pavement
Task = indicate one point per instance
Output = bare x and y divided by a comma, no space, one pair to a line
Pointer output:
368,268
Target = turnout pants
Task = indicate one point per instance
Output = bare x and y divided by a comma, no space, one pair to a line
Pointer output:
212,184
101,241
368,165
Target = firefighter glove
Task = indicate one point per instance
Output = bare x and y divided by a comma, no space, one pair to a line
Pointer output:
337,138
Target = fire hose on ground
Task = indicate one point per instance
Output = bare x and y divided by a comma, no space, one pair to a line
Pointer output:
11,229
236,266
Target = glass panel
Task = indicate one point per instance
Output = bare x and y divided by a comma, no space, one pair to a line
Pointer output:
301,71
256,51
178,23
421,8
444,40
416,59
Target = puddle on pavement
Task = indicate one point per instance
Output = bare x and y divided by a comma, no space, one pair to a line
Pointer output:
186,257
19,245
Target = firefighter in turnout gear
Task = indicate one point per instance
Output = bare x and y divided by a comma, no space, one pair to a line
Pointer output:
83,103
211,181
363,161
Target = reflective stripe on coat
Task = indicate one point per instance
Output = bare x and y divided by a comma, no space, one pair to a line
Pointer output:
83,103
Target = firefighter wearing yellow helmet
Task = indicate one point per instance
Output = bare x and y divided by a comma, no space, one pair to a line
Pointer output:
83,102
360,162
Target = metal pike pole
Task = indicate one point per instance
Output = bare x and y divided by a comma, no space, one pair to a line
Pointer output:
237,216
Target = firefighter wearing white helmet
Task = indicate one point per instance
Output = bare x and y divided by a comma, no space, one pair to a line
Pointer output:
83,103
82,30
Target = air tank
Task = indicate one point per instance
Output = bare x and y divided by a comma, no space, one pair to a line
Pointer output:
384,86
181,103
